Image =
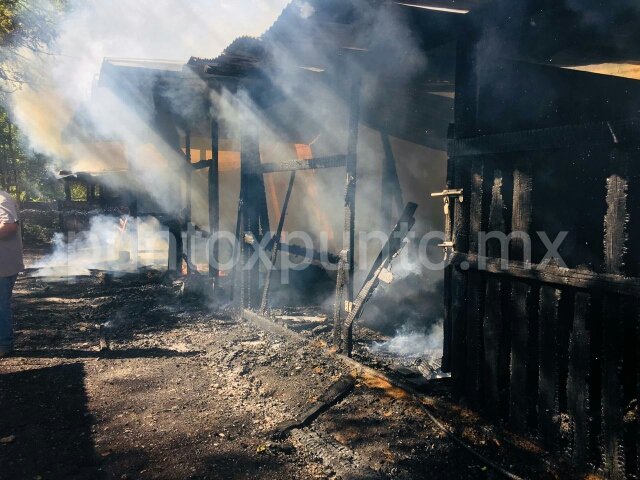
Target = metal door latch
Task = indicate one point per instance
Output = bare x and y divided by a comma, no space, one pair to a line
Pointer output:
447,195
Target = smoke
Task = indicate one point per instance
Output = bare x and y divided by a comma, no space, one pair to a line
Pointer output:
409,343
311,59
104,246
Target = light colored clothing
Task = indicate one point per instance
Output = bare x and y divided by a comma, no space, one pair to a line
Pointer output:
6,317
11,260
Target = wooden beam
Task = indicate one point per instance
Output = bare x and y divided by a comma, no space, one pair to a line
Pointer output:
276,245
570,136
551,274
303,164
187,188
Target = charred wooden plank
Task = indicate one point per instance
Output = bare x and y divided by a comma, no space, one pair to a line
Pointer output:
351,178
276,245
522,206
519,402
341,283
477,288
548,389
389,251
578,403
570,136
551,274
613,454
333,394
462,180
492,334
301,164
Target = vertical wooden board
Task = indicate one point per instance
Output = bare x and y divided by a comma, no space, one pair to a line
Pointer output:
518,399
548,406
475,315
616,218
522,210
458,332
578,381
459,280
492,335
613,457
615,237
476,283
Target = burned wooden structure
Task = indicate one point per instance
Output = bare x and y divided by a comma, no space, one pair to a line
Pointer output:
541,317
542,327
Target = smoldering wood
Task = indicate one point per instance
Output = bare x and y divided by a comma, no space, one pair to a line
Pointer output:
548,402
389,251
302,164
554,138
276,245
578,406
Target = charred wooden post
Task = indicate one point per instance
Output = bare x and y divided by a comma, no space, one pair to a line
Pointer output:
188,197
448,278
458,177
350,192
613,453
276,245
213,178
254,209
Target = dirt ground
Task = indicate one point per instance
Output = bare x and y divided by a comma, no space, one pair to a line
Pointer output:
188,391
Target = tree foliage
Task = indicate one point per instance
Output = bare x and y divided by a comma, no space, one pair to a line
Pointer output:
27,31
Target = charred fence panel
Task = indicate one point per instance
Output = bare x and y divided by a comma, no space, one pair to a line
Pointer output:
542,311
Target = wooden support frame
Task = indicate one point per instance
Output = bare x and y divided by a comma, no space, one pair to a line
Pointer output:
350,190
213,178
188,196
276,245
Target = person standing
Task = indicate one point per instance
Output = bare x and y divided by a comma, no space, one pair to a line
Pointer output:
11,264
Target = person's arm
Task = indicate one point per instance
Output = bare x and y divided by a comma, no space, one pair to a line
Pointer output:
8,218
8,229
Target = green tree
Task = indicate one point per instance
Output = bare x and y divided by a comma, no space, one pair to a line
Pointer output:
27,31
